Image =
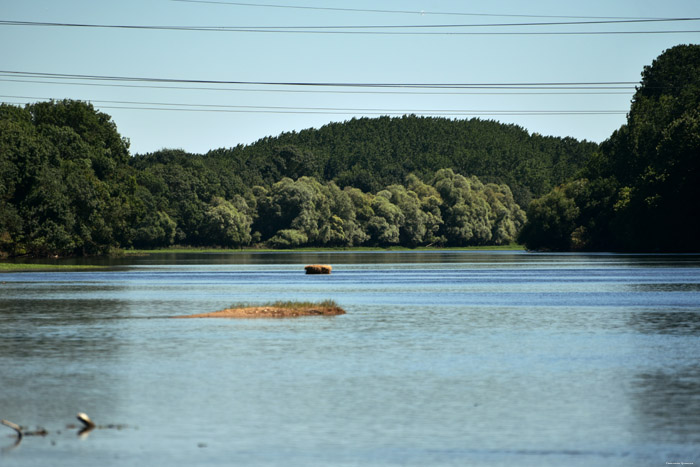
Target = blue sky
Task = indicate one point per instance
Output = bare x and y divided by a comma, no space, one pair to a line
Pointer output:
199,117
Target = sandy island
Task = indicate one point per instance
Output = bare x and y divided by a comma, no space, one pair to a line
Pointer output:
270,312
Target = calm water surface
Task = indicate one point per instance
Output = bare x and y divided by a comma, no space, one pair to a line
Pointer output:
444,358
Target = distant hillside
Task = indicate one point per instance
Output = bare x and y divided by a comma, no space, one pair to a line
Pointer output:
371,154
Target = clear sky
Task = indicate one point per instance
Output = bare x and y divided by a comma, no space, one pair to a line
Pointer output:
199,116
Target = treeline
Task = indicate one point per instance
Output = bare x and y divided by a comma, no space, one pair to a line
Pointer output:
373,153
68,186
641,191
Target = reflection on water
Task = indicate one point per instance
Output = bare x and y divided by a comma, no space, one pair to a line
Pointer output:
444,358
668,410
53,351
667,322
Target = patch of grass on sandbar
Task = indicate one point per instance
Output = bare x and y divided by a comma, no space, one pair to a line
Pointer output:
290,305
20,267
293,305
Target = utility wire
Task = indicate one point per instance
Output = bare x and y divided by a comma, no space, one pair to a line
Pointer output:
340,111
411,12
461,33
376,29
385,26
461,114
595,85
220,107
323,91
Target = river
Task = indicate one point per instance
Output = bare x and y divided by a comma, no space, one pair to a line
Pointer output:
443,358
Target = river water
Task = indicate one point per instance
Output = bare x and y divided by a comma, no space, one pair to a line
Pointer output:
443,358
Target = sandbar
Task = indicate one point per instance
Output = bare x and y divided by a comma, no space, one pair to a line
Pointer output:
270,312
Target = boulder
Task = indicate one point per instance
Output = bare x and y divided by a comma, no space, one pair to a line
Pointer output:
318,269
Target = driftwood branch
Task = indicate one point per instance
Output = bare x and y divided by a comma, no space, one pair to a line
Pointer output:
85,420
14,426
88,425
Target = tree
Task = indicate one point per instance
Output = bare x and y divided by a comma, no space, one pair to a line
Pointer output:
465,210
637,193
430,204
414,228
343,227
154,231
551,222
225,225
96,129
304,212
383,227
505,216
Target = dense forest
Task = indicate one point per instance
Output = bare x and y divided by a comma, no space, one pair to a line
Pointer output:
371,154
69,185
641,190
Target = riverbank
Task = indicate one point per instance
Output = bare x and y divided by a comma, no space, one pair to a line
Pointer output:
49,264
20,267
185,249
116,253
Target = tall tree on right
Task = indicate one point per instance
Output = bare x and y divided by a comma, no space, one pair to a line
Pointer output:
650,169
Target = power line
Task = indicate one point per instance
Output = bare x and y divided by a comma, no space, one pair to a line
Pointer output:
474,113
325,91
386,26
462,33
411,12
261,108
340,111
381,29
592,85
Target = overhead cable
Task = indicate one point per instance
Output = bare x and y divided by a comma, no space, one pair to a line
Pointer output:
340,111
592,85
221,107
323,91
411,12
420,29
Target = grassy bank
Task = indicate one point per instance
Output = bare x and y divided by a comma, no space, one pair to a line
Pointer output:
19,267
181,249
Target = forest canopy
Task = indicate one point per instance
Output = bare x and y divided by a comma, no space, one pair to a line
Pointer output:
69,185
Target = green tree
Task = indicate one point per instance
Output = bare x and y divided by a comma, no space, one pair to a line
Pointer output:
303,212
96,129
430,205
155,230
225,225
384,226
465,210
342,228
551,222
505,216
635,194
414,229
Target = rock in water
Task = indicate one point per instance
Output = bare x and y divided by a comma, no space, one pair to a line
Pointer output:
318,269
